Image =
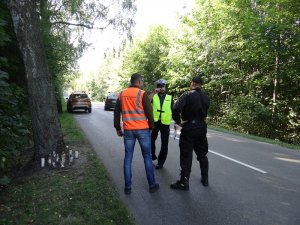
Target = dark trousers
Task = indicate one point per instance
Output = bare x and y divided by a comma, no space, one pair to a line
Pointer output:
193,137
164,133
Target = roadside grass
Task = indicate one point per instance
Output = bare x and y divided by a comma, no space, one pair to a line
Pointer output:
257,138
80,194
70,128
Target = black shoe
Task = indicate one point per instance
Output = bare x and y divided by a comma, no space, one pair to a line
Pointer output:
204,181
127,191
154,188
180,185
158,167
154,157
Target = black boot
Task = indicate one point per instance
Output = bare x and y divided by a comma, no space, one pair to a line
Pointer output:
204,181
182,184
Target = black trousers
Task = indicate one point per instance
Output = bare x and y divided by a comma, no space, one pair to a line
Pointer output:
164,133
193,137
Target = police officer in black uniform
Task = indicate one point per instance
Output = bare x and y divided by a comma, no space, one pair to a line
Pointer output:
190,112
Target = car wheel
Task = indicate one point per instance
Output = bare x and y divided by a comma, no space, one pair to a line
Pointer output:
105,108
90,110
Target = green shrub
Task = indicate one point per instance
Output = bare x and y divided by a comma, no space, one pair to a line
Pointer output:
14,126
248,115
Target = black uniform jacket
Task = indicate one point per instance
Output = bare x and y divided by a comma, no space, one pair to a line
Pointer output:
191,105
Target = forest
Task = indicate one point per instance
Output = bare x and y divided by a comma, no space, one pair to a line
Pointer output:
247,52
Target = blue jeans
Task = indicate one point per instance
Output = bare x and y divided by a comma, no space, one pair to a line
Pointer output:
144,138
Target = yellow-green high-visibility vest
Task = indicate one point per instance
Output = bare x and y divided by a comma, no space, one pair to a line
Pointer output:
166,111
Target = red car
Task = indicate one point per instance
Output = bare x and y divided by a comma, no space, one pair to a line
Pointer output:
79,100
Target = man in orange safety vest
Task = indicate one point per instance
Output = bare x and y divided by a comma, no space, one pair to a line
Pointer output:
137,116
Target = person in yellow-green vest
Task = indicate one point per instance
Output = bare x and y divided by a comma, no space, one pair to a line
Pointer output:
162,112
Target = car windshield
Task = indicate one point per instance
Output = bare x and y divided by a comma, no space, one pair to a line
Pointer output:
112,96
78,96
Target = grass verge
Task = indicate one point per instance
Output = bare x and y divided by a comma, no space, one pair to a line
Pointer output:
257,138
81,194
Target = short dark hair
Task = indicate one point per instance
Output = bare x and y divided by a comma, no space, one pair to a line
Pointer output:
135,78
197,80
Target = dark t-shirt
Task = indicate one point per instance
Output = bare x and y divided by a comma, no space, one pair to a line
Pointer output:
191,105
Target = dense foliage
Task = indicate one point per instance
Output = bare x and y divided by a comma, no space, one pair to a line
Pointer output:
148,56
14,126
249,53
62,24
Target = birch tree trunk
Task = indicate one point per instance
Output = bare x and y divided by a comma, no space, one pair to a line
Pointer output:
46,129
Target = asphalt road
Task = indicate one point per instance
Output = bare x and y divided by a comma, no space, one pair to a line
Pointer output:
250,182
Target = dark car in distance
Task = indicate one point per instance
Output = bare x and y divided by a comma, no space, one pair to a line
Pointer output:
79,100
110,101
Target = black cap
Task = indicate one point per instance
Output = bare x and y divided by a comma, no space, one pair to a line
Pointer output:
197,80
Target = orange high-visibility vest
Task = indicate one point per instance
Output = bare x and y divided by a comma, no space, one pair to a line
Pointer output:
133,115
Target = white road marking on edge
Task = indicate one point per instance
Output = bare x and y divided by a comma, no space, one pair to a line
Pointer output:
226,157
236,161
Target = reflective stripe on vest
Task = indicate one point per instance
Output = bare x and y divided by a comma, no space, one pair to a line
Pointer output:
166,111
133,115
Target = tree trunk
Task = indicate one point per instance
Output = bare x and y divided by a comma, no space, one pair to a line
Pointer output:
46,129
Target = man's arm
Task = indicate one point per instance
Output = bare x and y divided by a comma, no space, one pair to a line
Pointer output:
178,107
117,116
205,104
148,110
172,102
151,96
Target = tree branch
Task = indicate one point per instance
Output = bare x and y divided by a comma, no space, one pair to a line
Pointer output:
80,25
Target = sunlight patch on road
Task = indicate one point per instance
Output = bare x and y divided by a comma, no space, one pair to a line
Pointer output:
288,160
211,134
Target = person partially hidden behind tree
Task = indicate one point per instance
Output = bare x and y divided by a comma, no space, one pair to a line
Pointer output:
190,112
162,104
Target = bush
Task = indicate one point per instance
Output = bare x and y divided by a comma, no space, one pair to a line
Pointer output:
248,115
14,126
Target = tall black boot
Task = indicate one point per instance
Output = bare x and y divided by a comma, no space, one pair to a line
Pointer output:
204,172
182,184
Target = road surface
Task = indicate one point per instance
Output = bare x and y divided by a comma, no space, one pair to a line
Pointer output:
250,182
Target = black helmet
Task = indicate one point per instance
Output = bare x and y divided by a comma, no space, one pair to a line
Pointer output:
161,82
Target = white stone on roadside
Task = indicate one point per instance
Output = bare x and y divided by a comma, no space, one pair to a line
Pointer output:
76,154
42,162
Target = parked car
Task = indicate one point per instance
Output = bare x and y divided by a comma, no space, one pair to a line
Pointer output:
110,101
79,100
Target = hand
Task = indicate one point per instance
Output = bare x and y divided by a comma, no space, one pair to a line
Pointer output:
120,133
178,125
156,90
